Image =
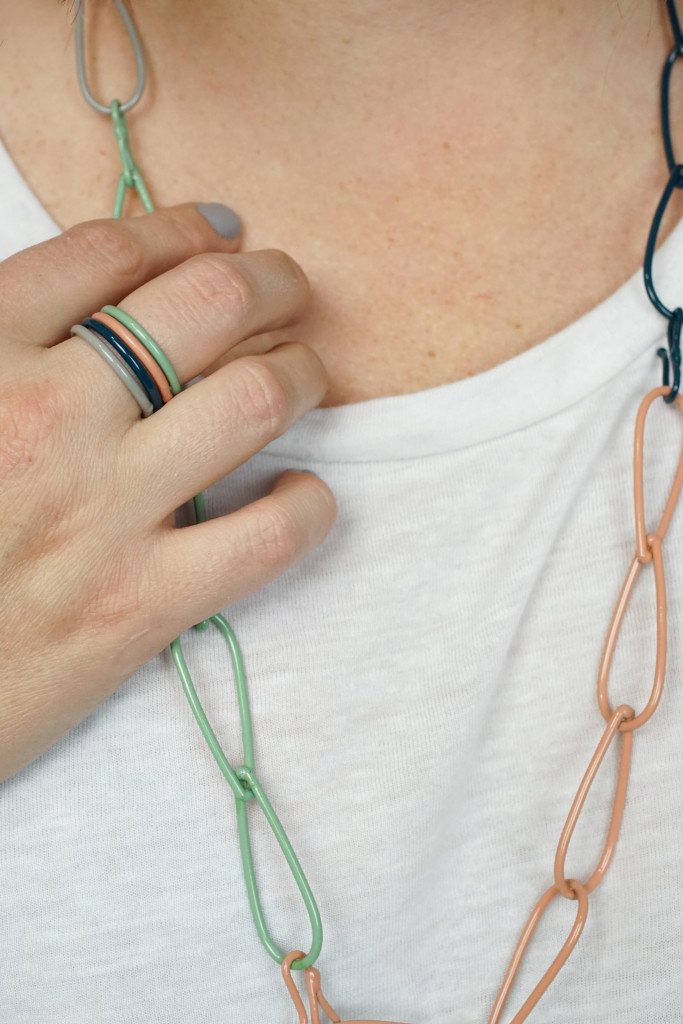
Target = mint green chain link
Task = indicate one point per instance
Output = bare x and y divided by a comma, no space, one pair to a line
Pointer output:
246,787
130,172
242,781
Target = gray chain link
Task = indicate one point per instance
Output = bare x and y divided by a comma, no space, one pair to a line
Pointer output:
137,50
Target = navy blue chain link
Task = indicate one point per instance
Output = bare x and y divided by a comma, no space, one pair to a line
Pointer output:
671,359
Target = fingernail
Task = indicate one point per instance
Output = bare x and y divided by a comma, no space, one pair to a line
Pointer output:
309,471
222,219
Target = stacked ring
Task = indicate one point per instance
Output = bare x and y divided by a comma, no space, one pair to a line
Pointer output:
118,366
133,355
120,347
143,354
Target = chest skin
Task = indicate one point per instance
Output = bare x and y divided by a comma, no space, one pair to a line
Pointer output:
442,233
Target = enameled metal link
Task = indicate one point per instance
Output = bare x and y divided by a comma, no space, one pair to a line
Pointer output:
137,53
316,999
623,720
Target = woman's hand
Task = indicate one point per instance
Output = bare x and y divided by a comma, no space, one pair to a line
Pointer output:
94,577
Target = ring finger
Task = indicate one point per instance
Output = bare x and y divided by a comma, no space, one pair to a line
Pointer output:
197,312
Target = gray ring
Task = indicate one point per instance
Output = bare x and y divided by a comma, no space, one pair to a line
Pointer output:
117,365
137,51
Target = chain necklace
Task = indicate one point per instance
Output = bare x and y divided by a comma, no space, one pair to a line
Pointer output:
622,721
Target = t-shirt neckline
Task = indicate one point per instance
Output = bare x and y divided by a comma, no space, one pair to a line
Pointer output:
529,387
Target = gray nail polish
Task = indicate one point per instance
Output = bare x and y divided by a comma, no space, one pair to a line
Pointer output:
222,219
310,472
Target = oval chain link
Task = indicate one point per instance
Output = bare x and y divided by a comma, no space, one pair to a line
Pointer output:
557,964
246,787
137,53
561,884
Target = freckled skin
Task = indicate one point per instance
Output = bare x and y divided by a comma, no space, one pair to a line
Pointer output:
433,210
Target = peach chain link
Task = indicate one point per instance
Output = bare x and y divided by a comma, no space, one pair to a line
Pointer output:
316,999
623,719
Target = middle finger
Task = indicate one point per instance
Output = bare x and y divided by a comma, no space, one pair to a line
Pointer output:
201,309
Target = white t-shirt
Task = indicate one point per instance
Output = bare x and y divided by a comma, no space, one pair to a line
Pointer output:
423,698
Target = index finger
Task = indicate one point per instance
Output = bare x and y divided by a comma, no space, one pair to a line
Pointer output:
48,287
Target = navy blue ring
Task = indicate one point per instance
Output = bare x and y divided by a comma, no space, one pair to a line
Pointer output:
140,371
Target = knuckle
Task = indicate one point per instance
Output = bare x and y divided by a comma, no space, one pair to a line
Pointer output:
220,285
111,246
261,396
276,538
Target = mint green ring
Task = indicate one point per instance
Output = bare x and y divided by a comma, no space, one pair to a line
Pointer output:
150,344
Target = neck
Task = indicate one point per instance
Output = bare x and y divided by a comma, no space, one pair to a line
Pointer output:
331,62
310,43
